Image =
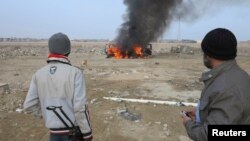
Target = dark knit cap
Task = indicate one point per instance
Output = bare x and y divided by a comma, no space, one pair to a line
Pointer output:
220,44
59,43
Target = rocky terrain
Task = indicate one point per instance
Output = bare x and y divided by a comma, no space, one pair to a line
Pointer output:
166,75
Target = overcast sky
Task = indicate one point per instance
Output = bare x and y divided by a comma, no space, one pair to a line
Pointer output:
101,19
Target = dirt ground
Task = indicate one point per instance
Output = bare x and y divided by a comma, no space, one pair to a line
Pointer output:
163,76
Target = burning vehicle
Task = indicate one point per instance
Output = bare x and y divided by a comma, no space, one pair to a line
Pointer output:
135,51
144,22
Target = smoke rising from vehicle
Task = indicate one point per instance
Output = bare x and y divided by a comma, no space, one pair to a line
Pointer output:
147,20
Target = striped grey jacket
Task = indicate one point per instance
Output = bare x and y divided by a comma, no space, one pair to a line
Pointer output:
59,84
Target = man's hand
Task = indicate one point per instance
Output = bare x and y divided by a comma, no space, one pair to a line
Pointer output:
191,113
188,115
185,118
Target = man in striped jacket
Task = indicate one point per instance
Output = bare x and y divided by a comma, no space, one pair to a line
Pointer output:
59,84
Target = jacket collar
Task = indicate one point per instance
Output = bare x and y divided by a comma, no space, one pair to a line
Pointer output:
210,75
58,58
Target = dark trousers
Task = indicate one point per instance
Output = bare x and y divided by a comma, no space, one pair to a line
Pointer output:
59,137
62,137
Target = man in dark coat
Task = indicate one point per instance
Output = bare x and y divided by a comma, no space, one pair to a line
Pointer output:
226,95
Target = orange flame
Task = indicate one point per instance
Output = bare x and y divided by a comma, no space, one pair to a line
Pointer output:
117,53
138,51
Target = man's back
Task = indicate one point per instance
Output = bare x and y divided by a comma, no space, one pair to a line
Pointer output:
56,80
55,85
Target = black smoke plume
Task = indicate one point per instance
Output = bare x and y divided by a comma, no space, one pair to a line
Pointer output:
191,10
145,21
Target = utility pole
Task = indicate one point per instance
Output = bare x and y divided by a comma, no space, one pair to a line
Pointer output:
179,29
